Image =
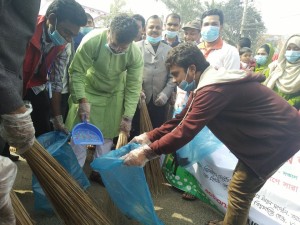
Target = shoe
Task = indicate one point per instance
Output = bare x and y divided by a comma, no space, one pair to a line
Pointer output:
95,177
14,158
188,196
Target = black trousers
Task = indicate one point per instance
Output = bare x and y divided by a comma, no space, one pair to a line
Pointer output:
40,111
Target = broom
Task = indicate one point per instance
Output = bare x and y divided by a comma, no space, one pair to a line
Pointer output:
122,140
71,203
22,216
153,173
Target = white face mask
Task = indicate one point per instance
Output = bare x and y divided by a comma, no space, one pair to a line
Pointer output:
244,65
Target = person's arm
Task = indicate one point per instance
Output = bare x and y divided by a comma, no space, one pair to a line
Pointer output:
166,93
205,106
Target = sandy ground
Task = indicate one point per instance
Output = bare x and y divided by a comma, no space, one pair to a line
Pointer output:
170,207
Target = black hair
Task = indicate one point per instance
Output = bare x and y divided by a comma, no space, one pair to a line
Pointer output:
89,16
67,10
186,54
125,28
266,47
154,17
139,18
213,12
245,50
173,15
244,42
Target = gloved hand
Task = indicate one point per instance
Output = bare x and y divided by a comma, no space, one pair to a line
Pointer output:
18,130
142,96
125,125
161,99
142,99
141,139
139,156
58,124
84,110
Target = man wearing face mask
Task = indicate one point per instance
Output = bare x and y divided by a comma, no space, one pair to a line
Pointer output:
45,62
157,81
90,25
260,128
172,27
106,82
192,31
216,51
284,79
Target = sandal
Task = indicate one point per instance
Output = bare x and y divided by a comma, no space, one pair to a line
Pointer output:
214,222
188,196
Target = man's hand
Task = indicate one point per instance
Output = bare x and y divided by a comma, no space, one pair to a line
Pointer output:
17,129
161,99
58,124
125,125
141,139
139,156
84,110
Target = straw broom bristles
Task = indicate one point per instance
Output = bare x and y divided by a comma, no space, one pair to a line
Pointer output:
22,216
71,203
153,173
122,140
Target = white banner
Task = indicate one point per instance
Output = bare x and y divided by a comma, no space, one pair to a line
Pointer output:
278,202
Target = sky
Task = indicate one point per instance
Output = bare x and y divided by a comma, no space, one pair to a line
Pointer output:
281,17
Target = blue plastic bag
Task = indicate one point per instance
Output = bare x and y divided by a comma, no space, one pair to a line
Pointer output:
57,145
203,144
127,186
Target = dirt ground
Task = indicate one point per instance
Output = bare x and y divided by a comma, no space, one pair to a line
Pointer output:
170,207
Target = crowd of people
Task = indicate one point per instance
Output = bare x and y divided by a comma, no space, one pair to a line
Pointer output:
64,71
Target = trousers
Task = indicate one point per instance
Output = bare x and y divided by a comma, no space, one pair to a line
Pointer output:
241,191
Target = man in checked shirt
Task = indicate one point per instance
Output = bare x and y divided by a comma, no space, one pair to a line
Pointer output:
45,62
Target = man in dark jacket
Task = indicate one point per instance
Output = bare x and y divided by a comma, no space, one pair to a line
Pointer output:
260,128
17,22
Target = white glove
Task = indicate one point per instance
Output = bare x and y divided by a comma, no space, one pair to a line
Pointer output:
58,124
139,156
141,139
18,130
84,110
125,125
8,172
161,99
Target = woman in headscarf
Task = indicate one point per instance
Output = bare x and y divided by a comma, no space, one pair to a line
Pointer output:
285,78
263,58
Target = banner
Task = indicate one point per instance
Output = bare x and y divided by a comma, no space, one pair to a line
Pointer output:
278,202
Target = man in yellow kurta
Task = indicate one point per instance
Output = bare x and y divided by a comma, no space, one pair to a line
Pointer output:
106,80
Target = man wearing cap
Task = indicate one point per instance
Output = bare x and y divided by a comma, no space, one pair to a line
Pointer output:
192,31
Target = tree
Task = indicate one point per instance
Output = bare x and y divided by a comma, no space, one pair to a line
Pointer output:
187,9
116,8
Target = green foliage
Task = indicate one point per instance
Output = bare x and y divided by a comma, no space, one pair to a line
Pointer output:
116,8
187,9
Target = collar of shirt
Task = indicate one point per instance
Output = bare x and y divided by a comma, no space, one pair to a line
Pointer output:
206,50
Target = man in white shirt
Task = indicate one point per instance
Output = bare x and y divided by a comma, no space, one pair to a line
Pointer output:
216,51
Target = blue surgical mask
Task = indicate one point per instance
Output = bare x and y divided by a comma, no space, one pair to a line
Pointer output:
210,33
188,87
292,56
55,37
112,51
153,40
171,34
85,30
261,59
